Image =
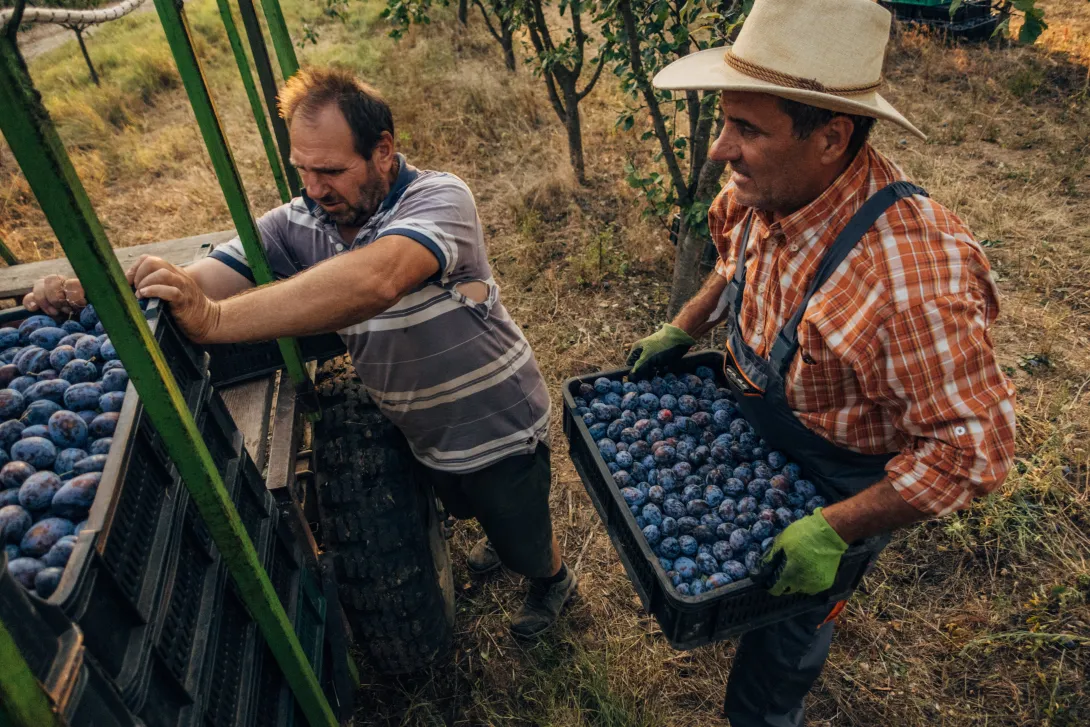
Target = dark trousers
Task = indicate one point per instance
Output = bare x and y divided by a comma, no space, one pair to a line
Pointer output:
510,499
775,667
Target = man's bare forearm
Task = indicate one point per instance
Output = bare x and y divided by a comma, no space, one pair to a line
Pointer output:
877,509
705,310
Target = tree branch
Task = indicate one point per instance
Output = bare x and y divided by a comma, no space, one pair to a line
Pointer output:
487,22
657,121
579,36
594,79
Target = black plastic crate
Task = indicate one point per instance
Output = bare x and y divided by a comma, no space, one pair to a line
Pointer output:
54,650
230,667
690,621
233,362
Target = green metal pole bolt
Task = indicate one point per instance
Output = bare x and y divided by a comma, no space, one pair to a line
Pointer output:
174,23
255,101
268,86
281,38
23,702
40,154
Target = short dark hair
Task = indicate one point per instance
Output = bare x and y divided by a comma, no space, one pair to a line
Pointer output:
806,119
312,89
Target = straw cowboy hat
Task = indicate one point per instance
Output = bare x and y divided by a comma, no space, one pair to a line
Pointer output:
826,53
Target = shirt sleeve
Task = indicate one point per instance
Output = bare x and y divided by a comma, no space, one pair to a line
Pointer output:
441,215
272,227
940,377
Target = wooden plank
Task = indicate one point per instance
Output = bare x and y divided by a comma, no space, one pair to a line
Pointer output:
18,280
250,404
286,433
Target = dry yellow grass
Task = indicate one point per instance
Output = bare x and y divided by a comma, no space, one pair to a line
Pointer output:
978,619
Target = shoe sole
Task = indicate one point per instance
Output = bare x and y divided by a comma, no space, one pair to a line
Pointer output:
482,571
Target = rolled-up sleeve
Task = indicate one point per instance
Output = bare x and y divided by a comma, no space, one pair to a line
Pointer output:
946,391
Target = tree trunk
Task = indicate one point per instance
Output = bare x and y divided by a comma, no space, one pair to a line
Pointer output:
86,55
507,41
688,272
575,132
463,12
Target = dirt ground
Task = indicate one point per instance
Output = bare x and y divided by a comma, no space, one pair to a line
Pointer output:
981,618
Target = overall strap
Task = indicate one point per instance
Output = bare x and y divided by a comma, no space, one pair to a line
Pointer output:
737,286
787,344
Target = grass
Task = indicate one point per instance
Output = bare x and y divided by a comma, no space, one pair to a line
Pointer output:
982,618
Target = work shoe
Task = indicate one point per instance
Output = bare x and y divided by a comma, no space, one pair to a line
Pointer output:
483,558
542,607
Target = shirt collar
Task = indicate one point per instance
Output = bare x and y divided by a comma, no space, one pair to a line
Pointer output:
406,174
838,201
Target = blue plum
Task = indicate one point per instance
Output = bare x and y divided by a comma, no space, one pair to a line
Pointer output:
12,403
14,522
87,348
61,552
61,356
71,327
688,544
669,527
79,371
24,570
118,379
100,446
733,569
104,424
47,337
47,580
8,337
67,430
36,493
22,383
66,460
75,498
32,360
38,452
9,497
35,430
686,568
107,350
14,474
50,390
82,396
669,547
8,373
651,534
44,534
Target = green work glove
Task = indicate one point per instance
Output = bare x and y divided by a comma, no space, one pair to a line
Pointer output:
658,351
804,557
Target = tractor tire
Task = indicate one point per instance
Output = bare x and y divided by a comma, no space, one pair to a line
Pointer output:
382,530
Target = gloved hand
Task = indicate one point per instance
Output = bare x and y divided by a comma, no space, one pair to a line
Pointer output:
804,558
658,351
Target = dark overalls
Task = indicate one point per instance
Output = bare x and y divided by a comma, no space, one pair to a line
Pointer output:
775,666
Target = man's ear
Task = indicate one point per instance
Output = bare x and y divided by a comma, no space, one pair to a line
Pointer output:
835,138
384,153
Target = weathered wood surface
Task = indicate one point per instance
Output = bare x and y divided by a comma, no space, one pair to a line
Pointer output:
250,404
18,280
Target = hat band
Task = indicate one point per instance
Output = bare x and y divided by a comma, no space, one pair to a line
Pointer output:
764,73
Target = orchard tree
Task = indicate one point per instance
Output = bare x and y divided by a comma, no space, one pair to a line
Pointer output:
501,18
643,37
560,58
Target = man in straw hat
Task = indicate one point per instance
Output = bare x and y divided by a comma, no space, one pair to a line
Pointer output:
857,313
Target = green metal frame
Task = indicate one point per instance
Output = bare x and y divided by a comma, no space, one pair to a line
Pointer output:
172,17
255,101
281,38
39,152
6,254
23,701
268,86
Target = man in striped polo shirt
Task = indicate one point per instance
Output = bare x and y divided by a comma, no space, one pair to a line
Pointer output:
411,293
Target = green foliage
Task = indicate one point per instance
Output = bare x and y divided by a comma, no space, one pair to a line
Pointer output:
330,11
403,13
1033,19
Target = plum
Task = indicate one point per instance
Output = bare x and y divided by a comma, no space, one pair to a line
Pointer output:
67,429
33,323
14,474
707,563
38,452
735,570
651,534
697,507
8,337
36,493
88,318
669,527
38,412
9,497
47,337
36,430
47,580
117,364
14,522
673,508
686,568
66,460
22,383
8,373
669,547
107,351
78,371
61,552
88,347
652,514
70,340
101,446
50,390
761,529
44,534
71,327
75,498
12,403
82,396
688,544
60,356
721,550
104,424
24,570
31,360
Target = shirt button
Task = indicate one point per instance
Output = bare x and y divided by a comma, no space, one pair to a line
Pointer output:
339,247
959,430
794,248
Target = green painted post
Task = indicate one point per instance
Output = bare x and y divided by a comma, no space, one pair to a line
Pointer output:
281,38
40,154
255,100
174,23
6,254
268,86
23,702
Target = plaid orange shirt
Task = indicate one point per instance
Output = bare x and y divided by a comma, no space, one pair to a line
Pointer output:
894,352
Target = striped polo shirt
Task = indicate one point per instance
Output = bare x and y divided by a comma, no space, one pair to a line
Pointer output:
456,376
